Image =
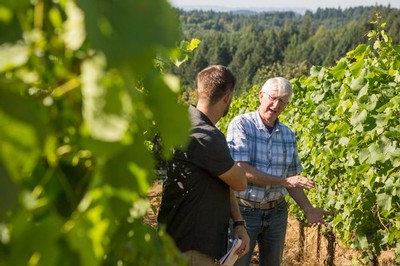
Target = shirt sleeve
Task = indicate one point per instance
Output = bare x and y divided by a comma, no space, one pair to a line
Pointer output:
213,155
295,168
238,141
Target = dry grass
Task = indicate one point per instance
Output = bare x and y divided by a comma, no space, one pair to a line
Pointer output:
315,256
312,254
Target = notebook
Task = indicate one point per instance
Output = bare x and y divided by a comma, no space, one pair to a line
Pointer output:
230,257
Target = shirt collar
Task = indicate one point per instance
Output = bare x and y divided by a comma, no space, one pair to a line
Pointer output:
197,115
260,125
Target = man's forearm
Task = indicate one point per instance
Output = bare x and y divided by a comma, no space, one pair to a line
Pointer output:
300,198
235,211
260,178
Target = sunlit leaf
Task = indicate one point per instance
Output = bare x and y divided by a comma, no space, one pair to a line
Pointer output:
332,127
358,118
339,70
132,169
375,153
173,82
13,56
377,44
5,14
360,50
77,236
356,68
126,39
74,32
384,201
105,106
194,43
359,82
343,141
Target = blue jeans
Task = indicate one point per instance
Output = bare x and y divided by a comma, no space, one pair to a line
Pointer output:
268,228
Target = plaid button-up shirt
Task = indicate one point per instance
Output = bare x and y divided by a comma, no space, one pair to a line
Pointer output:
276,154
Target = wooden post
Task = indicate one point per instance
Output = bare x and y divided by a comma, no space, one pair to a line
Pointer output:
300,254
330,256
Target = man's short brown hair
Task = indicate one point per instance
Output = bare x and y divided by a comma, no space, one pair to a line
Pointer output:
214,82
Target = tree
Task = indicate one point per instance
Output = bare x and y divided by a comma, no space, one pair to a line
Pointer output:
289,71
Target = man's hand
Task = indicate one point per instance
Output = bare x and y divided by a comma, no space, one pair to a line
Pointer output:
315,216
241,232
298,181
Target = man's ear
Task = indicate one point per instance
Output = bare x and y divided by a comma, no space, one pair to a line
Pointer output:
228,96
261,95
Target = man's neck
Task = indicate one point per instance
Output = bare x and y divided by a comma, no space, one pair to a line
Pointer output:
211,112
267,122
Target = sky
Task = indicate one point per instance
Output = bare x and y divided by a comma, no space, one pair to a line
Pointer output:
284,4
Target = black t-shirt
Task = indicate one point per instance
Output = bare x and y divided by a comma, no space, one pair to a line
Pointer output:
195,203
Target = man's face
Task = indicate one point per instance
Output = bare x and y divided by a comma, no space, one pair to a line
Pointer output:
272,105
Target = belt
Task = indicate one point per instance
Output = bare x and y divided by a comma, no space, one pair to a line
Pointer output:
260,205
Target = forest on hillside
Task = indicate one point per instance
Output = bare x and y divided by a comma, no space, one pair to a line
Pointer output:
256,46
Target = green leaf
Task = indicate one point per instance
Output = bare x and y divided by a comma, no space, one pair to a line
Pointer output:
20,146
79,240
44,232
9,192
356,68
339,70
372,154
384,201
13,56
5,14
360,51
359,82
363,91
343,128
174,129
358,118
130,31
343,141
129,169
194,43
73,30
332,127
105,103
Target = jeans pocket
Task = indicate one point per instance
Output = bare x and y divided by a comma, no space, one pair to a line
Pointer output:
245,210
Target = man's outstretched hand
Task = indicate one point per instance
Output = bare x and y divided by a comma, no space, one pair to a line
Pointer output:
315,216
298,181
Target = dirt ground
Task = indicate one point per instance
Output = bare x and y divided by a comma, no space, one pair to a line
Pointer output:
312,254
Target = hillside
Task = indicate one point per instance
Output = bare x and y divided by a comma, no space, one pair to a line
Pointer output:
257,44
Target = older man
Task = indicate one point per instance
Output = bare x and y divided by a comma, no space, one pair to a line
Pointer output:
266,149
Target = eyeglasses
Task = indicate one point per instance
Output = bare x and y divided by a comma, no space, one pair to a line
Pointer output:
274,99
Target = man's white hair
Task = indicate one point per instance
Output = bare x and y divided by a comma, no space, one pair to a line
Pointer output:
278,83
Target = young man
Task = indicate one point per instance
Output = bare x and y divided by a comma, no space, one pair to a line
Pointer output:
197,199
266,150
